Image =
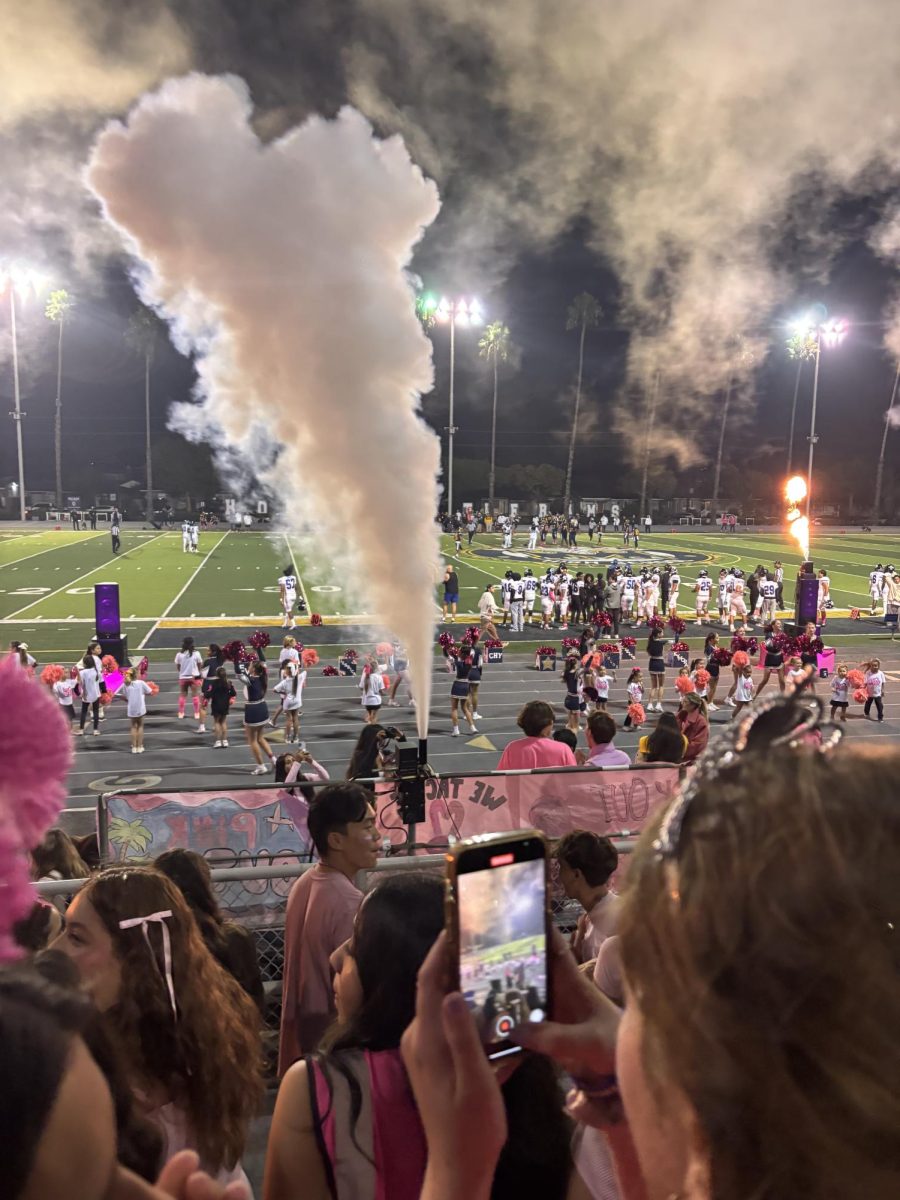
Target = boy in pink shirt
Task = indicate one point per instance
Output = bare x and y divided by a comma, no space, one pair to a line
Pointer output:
537,748
321,910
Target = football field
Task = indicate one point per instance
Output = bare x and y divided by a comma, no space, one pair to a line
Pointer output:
230,585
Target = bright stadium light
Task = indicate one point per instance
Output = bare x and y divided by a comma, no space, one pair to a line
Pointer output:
25,282
466,314
831,331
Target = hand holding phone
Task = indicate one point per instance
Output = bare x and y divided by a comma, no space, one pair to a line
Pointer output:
498,924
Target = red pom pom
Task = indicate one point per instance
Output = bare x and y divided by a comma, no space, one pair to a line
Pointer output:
677,625
701,677
722,656
315,619
857,678
259,640
637,714
860,696
309,658
740,658
233,651
109,663
684,685
329,671
143,666
154,688
629,643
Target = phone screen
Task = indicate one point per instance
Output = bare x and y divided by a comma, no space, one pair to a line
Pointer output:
503,943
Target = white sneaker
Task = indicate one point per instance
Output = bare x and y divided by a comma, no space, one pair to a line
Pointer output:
476,716
712,708
140,749
181,716
473,729
730,701
201,729
224,744
454,732
96,733
134,749
260,770
217,745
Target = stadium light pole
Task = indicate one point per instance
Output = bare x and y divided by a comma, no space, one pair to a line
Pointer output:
830,332
466,313
13,279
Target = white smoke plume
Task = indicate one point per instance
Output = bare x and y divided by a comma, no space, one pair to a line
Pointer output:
282,267
687,132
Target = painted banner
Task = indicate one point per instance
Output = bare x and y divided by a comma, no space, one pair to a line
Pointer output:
607,802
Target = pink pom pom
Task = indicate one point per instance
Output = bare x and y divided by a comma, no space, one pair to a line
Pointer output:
32,788
637,714
309,657
154,688
384,649
108,663
684,685
860,696
857,678
701,676
52,674
740,658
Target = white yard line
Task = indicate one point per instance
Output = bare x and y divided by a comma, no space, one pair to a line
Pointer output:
193,576
61,546
71,582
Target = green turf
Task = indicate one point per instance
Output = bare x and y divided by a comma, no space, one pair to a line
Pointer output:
47,577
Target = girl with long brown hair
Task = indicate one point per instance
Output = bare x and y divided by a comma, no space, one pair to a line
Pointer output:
187,1032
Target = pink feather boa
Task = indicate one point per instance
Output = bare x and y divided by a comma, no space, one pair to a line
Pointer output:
32,788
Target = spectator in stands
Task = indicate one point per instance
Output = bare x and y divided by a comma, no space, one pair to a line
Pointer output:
88,846
365,761
187,1033
35,932
295,771
57,857
537,748
568,738
666,744
346,1125
694,724
321,909
586,863
757,1055
231,944
600,731
608,970
70,1125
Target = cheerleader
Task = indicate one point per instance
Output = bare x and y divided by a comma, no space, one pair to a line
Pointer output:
701,683
290,689
635,689
89,684
64,691
796,673
401,666
136,691
744,692
809,657
221,694
875,681
289,651
256,714
459,693
19,650
601,684
589,683
840,693
371,685
674,586
710,646
476,658
574,701
189,664
656,669
215,659
774,659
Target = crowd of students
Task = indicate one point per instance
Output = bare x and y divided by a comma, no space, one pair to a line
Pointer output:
711,1047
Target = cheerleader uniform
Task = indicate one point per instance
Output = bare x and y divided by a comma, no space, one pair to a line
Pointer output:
635,696
256,711
601,686
774,660
657,664
574,701
459,688
711,665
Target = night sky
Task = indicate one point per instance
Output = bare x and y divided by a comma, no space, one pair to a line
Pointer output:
517,228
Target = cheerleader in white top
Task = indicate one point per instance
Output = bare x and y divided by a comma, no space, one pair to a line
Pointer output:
743,692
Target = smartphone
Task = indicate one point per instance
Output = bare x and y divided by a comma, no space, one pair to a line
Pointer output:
498,922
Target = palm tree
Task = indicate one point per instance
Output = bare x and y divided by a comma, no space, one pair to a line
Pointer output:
740,356
58,308
129,836
879,473
141,335
802,347
494,346
584,313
